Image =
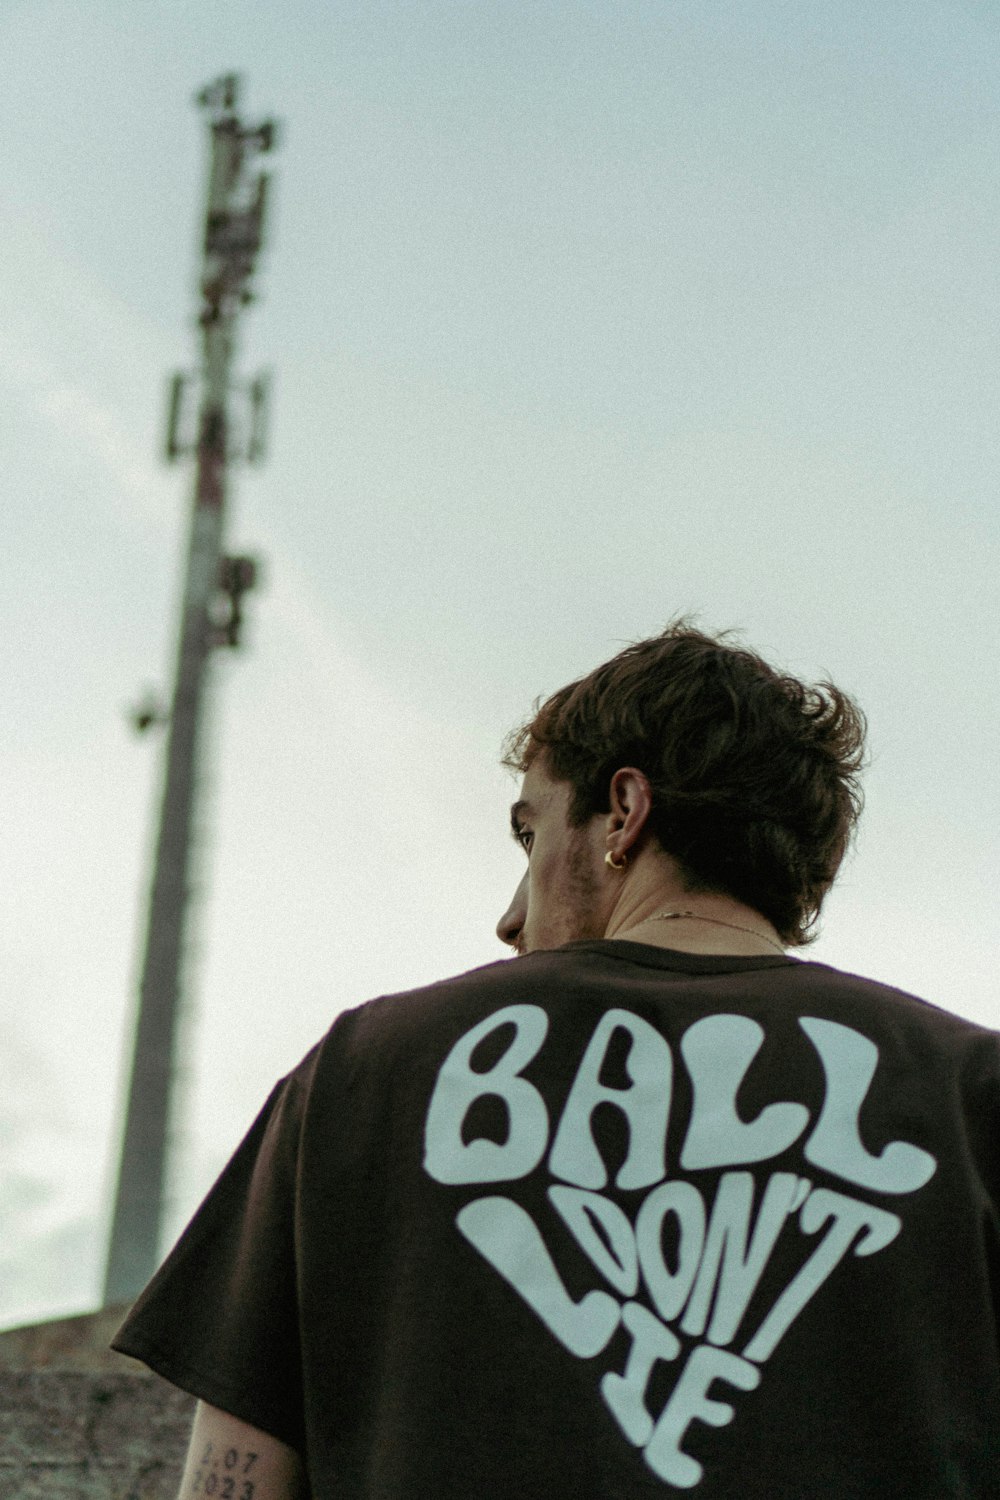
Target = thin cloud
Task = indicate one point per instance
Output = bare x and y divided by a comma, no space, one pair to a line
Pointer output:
67,366
97,428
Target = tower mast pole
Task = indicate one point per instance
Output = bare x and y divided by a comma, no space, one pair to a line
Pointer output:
210,617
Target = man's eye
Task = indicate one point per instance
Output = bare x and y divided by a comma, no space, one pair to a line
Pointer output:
524,837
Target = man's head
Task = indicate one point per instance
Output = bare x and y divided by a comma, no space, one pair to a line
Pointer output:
747,780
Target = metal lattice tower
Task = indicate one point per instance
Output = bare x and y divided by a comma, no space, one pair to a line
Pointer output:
210,617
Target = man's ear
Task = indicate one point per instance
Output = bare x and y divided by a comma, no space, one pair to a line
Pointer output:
631,799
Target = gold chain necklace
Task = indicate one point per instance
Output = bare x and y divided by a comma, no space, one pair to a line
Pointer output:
664,916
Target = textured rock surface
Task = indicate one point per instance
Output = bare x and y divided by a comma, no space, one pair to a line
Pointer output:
81,1436
77,1343
74,1435
78,1422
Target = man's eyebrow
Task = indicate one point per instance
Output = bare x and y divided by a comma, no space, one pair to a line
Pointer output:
515,815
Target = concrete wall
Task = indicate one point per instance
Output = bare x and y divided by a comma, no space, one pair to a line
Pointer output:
78,1422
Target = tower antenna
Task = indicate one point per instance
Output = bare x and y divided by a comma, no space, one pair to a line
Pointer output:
211,615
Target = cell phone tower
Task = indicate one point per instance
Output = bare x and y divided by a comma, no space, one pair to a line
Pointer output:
211,613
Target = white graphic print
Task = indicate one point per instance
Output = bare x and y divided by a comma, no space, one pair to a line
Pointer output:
722,1247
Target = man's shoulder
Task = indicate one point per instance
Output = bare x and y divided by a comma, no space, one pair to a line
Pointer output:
503,982
821,978
402,1026
401,1034
545,976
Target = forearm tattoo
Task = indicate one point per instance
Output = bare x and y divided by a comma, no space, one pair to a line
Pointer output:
223,1473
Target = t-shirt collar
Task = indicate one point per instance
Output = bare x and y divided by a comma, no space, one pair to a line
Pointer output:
650,956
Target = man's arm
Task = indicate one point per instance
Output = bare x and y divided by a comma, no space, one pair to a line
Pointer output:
230,1460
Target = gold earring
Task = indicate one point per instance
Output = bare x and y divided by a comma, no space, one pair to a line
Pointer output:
609,860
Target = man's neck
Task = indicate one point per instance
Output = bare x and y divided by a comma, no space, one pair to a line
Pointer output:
694,922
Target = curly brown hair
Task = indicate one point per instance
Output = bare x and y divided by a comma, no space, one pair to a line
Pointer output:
754,775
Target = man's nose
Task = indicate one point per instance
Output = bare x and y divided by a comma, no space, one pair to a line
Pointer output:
511,923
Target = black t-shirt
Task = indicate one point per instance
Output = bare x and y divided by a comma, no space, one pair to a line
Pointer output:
612,1221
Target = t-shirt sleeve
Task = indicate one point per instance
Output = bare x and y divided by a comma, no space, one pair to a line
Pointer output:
220,1318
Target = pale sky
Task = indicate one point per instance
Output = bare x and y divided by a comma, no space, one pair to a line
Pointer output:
579,315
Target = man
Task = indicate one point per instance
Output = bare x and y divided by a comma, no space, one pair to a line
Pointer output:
656,1208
